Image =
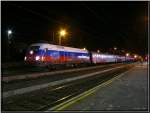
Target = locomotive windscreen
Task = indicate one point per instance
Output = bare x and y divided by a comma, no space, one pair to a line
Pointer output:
34,49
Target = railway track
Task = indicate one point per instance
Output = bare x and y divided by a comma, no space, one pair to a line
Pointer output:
51,96
22,81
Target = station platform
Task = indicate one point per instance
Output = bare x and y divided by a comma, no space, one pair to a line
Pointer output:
128,93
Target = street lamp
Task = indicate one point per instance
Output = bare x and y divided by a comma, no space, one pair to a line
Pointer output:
135,56
9,32
115,48
62,33
84,48
127,54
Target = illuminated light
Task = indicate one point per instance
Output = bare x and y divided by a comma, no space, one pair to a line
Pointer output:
42,58
102,56
98,51
127,54
115,48
62,33
135,56
9,32
83,57
31,52
84,48
37,57
25,58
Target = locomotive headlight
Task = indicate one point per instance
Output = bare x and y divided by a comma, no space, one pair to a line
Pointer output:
42,58
37,58
31,52
25,58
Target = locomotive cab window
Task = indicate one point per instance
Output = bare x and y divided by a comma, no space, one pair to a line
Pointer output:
46,49
35,49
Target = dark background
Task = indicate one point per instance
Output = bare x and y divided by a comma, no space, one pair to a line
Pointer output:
94,25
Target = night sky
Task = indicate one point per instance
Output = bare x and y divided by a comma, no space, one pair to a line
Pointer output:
94,25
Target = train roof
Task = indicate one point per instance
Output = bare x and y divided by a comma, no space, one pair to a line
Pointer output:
58,47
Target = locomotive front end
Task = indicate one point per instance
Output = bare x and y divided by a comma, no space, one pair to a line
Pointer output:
33,56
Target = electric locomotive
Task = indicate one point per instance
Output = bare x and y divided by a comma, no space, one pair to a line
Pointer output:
44,54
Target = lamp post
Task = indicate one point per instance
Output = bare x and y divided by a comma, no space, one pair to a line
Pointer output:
53,36
114,52
62,33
